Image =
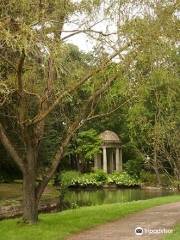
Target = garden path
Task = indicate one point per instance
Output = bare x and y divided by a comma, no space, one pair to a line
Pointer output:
160,217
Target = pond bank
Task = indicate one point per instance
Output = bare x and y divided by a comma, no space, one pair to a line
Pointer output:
11,200
15,210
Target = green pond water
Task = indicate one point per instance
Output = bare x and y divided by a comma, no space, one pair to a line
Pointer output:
102,196
84,197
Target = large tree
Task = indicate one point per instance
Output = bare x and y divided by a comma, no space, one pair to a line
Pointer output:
41,77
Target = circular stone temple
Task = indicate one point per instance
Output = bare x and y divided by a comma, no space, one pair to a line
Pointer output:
110,159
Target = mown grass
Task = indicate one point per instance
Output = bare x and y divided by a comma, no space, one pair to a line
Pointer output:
58,226
175,235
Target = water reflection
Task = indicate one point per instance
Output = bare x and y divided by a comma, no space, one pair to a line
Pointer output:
102,196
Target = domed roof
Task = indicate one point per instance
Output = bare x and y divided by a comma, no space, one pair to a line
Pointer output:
109,136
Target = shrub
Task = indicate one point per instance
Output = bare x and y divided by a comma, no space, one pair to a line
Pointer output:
123,179
87,179
150,178
67,177
74,178
100,175
96,179
134,167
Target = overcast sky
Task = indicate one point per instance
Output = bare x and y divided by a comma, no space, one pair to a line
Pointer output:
86,43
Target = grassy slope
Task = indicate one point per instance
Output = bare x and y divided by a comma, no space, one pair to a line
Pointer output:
57,226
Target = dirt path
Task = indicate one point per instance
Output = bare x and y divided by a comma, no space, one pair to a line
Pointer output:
157,218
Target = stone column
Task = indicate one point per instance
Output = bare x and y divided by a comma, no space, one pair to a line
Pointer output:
96,162
117,160
104,160
111,161
120,160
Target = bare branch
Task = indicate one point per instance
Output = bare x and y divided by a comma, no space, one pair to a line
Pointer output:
75,32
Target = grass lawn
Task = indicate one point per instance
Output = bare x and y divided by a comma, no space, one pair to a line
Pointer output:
57,226
175,235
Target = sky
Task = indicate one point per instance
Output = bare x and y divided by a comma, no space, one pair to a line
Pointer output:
81,41
85,43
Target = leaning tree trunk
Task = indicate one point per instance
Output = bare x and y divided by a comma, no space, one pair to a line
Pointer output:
30,201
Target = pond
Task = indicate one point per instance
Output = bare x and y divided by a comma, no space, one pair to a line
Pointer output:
103,196
13,192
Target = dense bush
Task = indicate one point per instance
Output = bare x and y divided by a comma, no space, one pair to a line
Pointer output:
122,179
134,167
100,175
150,178
67,177
97,179
87,179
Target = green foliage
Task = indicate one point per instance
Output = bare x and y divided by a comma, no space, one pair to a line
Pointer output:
100,175
134,167
86,180
122,179
88,143
73,178
97,179
66,177
149,178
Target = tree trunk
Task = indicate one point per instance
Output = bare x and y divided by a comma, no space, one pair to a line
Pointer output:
156,168
30,201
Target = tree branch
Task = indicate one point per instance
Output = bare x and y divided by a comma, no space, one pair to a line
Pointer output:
19,71
57,158
42,115
10,149
75,32
110,112
80,120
